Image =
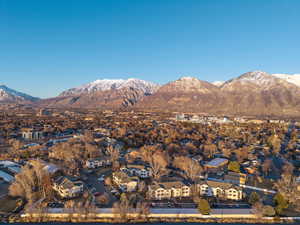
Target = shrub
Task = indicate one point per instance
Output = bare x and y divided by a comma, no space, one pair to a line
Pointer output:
204,207
268,210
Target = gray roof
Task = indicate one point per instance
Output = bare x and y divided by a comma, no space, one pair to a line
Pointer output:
6,176
222,185
216,162
168,185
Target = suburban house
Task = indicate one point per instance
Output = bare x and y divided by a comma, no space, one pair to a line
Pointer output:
32,134
235,178
136,170
67,188
95,163
220,190
168,190
11,167
125,182
217,164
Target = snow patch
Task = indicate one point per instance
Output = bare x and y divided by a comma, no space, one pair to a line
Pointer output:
111,84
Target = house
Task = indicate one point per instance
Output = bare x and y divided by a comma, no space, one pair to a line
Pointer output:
220,190
67,188
216,164
137,170
125,182
52,169
168,190
32,134
235,178
10,167
96,163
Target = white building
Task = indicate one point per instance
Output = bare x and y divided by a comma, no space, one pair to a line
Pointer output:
31,134
168,190
96,163
137,170
220,190
67,188
125,182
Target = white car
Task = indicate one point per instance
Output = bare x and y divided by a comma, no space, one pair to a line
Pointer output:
101,178
115,192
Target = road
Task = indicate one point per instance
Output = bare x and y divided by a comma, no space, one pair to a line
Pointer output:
258,189
93,183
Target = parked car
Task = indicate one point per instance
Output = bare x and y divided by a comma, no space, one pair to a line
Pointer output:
97,194
115,192
55,205
102,178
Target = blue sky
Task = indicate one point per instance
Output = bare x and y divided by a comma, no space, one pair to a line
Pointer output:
51,45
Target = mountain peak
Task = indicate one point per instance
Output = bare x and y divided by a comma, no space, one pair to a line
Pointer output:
258,78
188,84
112,84
255,75
187,78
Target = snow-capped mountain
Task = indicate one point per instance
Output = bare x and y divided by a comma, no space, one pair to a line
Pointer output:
294,79
113,84
187,94
252,93
258,92
10,95
105,93
218,83
258,79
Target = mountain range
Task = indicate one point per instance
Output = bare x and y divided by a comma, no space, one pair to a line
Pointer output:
252,93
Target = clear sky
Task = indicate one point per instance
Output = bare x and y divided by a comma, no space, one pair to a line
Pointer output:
47,46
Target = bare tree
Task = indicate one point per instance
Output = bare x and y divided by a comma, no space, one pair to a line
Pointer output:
122,207
142,187
32,183
114,156
157,160
191,168
143,209
267,166
158,165
257,209
288,187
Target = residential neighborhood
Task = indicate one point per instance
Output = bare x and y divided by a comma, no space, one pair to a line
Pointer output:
149,159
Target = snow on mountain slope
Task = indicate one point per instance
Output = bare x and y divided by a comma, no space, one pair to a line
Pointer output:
218,83
112,84
10,95
294,79
255,79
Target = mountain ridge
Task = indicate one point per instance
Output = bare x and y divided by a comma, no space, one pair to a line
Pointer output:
10,95
111,84
253,93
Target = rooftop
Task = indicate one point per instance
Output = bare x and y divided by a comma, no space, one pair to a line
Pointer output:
217,162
